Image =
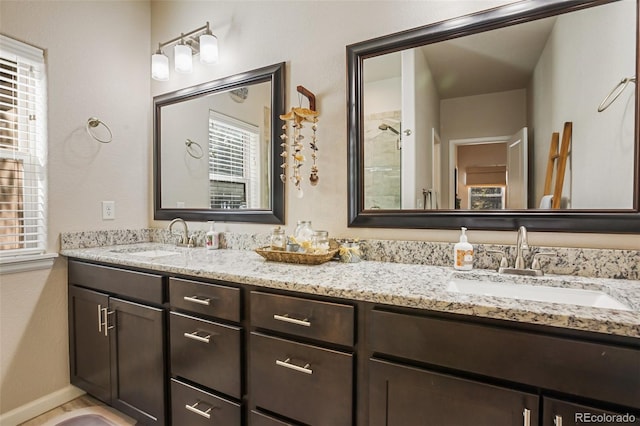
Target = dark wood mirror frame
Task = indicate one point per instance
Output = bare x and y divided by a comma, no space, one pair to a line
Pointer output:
274,74
607,221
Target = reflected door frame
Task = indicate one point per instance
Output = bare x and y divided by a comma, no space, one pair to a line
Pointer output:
453,159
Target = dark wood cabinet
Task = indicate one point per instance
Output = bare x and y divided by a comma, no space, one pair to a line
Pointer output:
192,406
301,362
89,347
310,384
117,347
206,353
235,355
138,361
260,419
407,396
206,359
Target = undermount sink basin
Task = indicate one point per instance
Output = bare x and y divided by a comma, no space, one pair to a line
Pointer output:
539,293
149,254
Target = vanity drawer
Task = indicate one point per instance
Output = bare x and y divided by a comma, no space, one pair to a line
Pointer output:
137,285
208,299
328,322
303,382
206,353
578,367
260,419
195,407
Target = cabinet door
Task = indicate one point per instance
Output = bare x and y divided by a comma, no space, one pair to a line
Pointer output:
556,412
89,342
406,396
138,361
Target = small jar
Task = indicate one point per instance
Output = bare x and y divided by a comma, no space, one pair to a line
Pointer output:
350,252
303,234
278,239
320,242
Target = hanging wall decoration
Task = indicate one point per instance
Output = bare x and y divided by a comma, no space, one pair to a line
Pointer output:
298,116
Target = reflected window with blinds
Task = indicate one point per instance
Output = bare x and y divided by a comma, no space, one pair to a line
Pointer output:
233,163
22,149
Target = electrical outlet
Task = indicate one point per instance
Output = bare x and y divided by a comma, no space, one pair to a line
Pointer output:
108,210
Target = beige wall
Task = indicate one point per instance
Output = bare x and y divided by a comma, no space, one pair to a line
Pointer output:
98,56
311,38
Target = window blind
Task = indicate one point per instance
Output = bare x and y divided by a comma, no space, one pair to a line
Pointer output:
233,163
22,149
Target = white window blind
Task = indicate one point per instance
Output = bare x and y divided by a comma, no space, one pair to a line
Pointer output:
233,163
22,149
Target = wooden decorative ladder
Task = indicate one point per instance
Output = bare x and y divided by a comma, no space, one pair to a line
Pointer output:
557,160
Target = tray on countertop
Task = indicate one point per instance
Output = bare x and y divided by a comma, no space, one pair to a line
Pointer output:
297,257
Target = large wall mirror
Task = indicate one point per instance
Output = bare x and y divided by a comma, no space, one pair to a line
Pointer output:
214,149
452,124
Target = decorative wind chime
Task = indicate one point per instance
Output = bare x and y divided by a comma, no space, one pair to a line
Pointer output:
298,116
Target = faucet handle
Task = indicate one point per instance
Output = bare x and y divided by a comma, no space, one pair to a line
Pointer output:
535,264
504,263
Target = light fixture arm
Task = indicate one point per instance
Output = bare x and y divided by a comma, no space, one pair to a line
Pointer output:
204,29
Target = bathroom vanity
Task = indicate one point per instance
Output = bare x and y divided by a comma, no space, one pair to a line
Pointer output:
198,337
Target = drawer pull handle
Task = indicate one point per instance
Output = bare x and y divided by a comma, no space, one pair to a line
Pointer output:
287,364
287,318
527,417
196,299
194,409
194,336
558,420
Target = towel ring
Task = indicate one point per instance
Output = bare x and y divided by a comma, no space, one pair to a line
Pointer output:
94,122
617,91
193,151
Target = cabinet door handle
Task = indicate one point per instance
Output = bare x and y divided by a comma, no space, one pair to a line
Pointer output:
104,320
196,299
287,364
286,318
194,335
557,420
193,408
527,417
99,318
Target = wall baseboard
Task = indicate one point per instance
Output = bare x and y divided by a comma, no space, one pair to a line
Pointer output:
39,406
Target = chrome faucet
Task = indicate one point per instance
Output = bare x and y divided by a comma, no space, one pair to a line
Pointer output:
520,266
521,244
184,240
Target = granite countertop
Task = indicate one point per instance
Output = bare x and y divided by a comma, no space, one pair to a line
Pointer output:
407,285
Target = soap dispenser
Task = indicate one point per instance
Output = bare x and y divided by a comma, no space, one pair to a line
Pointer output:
212,237
463,253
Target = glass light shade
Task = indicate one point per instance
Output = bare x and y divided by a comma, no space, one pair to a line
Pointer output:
159,67
208,49
182,58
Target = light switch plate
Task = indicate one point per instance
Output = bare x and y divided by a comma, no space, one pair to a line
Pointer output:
108,210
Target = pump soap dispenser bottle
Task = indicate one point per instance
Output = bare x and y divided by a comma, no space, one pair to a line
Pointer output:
212,237
463,253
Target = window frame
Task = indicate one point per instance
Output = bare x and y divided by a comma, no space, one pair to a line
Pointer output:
32,150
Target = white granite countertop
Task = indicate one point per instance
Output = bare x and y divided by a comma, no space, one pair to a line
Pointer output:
407,285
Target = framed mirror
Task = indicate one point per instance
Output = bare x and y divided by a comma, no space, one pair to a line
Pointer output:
452,124
215,149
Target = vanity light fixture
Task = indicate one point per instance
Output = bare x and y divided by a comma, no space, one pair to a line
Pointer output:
199,41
